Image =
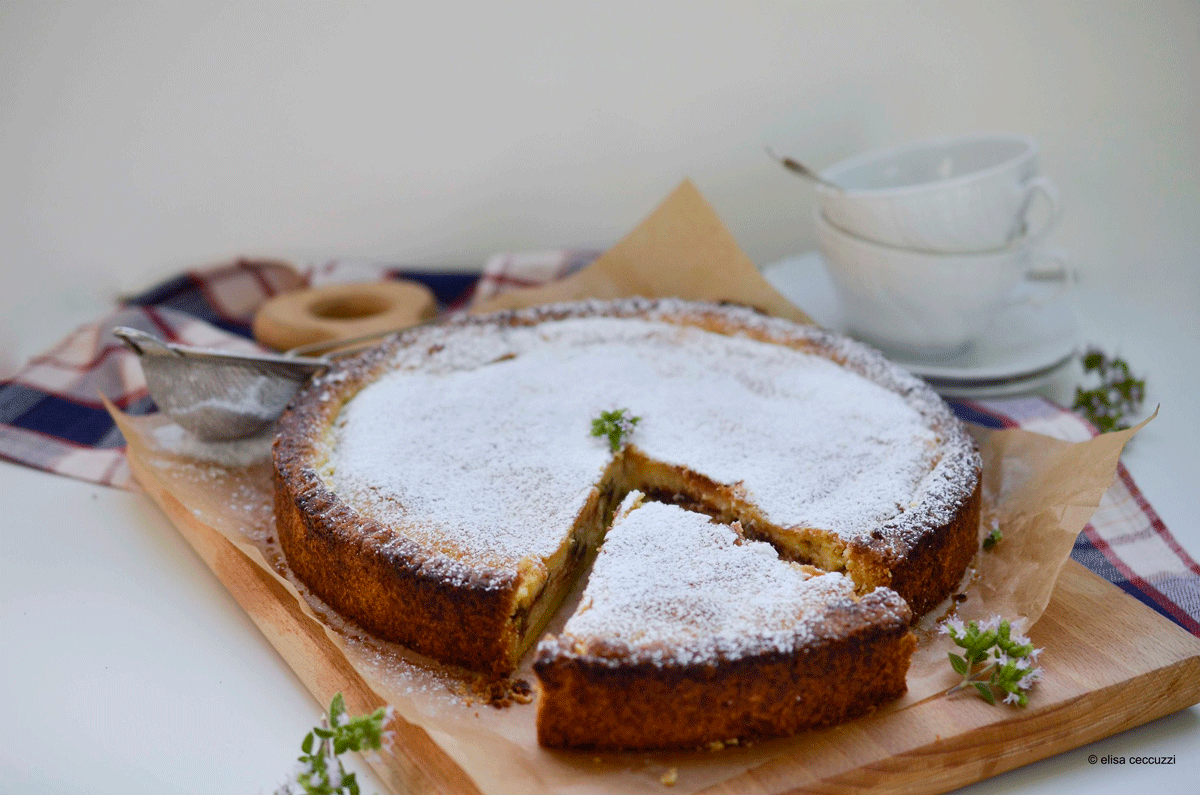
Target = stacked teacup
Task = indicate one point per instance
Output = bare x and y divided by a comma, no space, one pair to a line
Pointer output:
928,242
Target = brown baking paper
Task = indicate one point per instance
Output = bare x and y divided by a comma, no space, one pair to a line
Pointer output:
1039,491
681,250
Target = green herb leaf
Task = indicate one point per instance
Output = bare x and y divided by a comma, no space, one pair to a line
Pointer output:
338,734
994,659
1118,395
615,425
985,692
993,538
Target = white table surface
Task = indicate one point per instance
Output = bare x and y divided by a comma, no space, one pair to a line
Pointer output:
131,669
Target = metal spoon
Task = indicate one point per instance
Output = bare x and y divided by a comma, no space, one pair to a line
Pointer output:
802,170
216,395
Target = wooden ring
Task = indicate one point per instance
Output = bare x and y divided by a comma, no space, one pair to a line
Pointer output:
340,312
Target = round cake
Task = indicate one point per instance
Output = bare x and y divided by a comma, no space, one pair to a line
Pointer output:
445,490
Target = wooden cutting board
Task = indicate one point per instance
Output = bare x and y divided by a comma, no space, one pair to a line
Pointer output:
1111,664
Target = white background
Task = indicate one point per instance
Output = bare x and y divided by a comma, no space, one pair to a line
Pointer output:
138,139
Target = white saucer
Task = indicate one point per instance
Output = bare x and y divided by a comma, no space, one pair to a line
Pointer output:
1025,346
1001,388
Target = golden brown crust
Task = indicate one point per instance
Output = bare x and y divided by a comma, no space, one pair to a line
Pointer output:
596,703
331,550
933,566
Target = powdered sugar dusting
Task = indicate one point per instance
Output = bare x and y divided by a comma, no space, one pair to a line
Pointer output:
174,439
670,586
479,439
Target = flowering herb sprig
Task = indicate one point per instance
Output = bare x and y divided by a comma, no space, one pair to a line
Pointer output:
616,425
1119,394
994,660
993,538
320,771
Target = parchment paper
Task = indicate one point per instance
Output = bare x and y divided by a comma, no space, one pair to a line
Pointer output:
1039,491
681,250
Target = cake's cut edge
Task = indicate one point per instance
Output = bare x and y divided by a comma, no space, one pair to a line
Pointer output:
482,620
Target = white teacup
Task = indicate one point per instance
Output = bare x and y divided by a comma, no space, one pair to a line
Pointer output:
965,194
926,305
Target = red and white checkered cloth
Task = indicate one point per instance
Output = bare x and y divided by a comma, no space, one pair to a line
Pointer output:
51,417
529,269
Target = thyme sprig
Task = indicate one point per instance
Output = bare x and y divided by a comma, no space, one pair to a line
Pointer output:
615,425
319,770
1118,395
994,660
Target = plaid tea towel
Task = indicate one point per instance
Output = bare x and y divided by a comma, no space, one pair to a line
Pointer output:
51,417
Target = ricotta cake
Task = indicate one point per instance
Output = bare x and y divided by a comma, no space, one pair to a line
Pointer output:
444,490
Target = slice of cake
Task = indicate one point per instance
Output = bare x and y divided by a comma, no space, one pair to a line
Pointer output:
688,631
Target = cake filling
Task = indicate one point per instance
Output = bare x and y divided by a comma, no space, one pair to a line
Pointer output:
541,596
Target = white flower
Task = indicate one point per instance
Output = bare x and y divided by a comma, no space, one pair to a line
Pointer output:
991,624
1012,698
290,788
1016,632
1002,658
1033,655
302,769
953,627
1030,679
